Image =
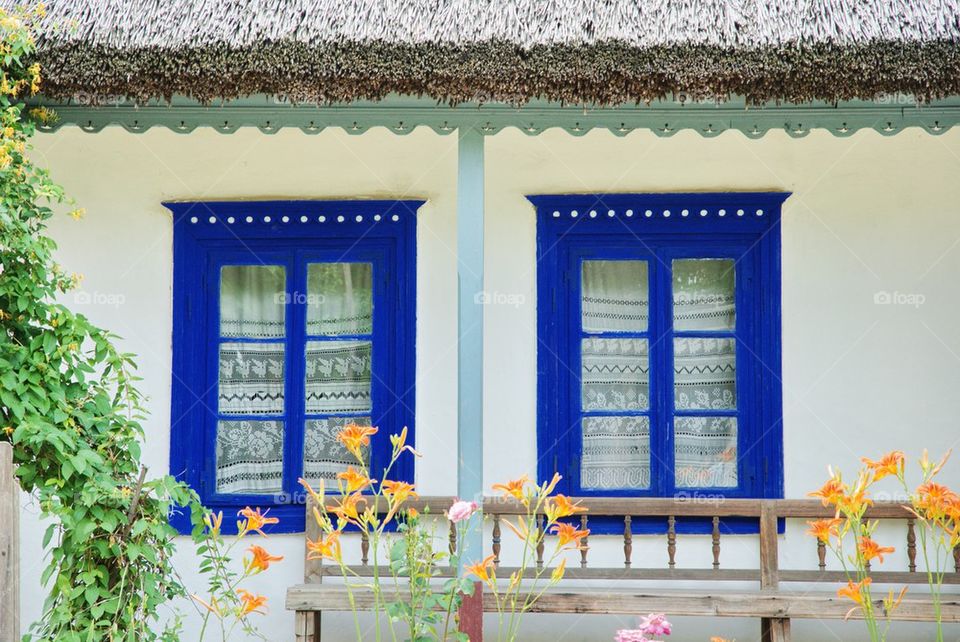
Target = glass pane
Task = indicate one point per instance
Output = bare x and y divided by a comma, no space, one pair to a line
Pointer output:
251,379
339,298
323,455
249,456
703,296
252,299
616,453
338,376
615,296
615,374
705,374
705,451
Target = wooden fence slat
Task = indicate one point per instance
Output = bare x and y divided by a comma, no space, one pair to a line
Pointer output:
9,548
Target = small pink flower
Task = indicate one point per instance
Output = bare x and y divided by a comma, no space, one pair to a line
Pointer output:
631,635
461,510
655,624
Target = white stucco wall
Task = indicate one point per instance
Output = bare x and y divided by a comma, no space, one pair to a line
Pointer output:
868,214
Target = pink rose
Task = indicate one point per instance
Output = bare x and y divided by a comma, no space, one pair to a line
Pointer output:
461,510
655,624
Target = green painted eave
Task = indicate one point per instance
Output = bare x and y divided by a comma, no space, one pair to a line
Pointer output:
402,114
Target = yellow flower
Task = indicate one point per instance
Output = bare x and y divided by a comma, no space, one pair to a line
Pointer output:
250,603
822,529
561,506
355,437
347,509
399,443
78,213
513,488
889,464
854,590
558,572
484,571
254,521
354,480
325,548
261,559
213,521
317,496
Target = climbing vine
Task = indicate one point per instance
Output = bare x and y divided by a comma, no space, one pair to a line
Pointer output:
70,406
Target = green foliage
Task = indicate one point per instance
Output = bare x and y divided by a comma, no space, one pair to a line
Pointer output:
70,406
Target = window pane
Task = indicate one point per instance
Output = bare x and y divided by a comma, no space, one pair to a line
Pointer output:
705,374
616,453
339,298
251,379
615,374
703,297
615,296
249,456
252,299
323,455
705,451
338,376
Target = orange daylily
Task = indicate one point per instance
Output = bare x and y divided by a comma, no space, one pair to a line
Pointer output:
261,559
929,468
831,492
561,506
889,464
325,548
346,509
254,521
399,443
513,488
822,529
869,549
480,570
935,499
316,495
568,533
854,590
355,480
558,572
213,522
355,437
547,488
520,529
398,491
250,603
856,501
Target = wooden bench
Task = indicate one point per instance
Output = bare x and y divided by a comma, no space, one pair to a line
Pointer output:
771,603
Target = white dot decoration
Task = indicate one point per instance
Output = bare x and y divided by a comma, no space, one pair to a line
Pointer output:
322,219
739,212
722,213
574,214
340,219
556,214
611,213
685,213
703,212
266,219
193,219
666,213
359,218
593,213
377,217
230,220
212,219
648,213
394,218
285,219
304,219
759,212
249,219
629,213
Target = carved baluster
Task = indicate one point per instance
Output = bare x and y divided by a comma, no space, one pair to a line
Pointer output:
716,542
540,539
364,547
496,540
672,541
453,539
912,545
821,554
627,541
583,543
956,559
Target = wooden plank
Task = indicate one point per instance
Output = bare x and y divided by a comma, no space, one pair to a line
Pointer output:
304,627
878,577
769,576
313,569
9,547
764,604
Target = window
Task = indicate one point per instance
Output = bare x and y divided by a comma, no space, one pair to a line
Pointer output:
291,319
659,354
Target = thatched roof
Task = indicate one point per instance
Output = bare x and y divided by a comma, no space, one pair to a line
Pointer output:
581,51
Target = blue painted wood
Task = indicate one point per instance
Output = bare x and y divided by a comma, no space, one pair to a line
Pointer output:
470,328
659,228
208,235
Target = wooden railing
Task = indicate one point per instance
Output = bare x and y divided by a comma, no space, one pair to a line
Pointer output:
767,570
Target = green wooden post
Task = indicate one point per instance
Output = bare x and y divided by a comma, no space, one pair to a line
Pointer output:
470,354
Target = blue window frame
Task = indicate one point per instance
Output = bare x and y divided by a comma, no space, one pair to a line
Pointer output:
291,318
659,353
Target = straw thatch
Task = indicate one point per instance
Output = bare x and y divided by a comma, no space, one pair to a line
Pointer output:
581,51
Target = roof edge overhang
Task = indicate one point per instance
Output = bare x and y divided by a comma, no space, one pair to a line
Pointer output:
403,114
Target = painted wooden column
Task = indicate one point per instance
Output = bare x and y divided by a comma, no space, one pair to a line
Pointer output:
9,547
470,354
